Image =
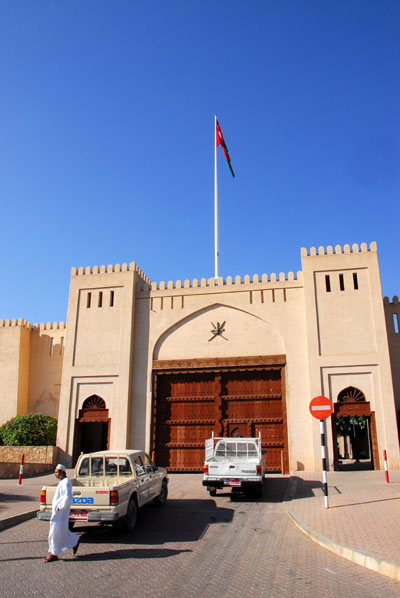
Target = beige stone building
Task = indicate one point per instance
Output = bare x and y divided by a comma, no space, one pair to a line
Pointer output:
161,366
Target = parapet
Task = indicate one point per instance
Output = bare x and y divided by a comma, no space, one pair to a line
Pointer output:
24,324
387,301
21,323
256,279
346,249
132,267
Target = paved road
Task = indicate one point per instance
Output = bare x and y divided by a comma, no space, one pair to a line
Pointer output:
193,547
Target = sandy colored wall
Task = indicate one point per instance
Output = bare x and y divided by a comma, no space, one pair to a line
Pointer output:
47,344
98,350
14,368
263,316
346,336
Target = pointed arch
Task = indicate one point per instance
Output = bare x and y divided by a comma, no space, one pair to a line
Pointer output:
191,337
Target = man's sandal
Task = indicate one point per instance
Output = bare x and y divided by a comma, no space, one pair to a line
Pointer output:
50,558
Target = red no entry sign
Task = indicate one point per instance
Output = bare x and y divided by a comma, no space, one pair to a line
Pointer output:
321,407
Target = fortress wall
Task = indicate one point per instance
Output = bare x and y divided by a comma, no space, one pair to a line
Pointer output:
346,333
30,367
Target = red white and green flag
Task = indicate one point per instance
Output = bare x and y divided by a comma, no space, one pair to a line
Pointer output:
220,141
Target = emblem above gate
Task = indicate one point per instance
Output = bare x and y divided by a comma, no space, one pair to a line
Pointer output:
217,330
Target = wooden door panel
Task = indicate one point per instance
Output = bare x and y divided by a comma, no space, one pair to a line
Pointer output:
188,407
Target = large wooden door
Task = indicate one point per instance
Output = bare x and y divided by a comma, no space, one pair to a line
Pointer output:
229,400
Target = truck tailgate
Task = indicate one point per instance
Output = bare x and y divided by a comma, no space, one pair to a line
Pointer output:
229,469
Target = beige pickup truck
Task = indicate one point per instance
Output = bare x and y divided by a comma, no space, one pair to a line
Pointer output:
109,487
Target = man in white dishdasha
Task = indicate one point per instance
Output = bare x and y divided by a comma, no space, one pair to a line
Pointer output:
60,538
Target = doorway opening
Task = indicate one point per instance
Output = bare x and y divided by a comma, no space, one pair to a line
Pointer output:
354,432
92,428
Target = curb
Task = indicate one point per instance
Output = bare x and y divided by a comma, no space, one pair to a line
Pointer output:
15,519
387,568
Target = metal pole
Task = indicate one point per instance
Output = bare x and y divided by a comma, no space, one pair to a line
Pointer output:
216,251
386,467
323,454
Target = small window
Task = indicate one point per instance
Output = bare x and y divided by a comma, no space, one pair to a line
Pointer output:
51,346
100,298
88,299
328,283
396,323
84,468
341,282
111,466
124,466
148,463
138,465
111,298
97,466
62,345
355,281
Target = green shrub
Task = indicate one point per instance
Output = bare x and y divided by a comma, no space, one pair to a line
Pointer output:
29,430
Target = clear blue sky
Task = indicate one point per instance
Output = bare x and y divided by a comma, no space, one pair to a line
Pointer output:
107,131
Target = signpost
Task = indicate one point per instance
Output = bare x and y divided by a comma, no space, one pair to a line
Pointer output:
322,408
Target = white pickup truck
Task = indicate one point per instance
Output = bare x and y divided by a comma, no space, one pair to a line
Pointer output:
234,462
109,487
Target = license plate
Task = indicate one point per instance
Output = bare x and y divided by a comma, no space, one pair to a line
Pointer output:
233,482
78,514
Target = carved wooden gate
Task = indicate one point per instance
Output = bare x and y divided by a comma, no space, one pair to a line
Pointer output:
232,397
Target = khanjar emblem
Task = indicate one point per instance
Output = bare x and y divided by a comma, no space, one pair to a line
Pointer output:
217,330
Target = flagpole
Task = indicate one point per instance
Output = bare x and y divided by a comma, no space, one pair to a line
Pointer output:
216,256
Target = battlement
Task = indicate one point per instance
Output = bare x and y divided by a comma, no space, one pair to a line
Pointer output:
387,301
221,282
363,248
24,324
110,269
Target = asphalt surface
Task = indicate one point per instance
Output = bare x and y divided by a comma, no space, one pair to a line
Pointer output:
194,546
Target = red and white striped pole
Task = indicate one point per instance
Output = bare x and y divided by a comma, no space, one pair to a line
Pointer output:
21,469
386,467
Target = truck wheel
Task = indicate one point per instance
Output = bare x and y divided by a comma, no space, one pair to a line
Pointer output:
161,499
131,515
213,491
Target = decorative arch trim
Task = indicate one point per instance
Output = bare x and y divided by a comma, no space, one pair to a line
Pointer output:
94,402
351,395
185,320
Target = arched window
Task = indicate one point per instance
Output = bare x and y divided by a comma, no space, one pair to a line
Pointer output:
351,394
94,402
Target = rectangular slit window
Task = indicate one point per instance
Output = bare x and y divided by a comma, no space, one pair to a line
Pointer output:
62,345
341,282
89,299
51,346
355,281
396,323
100,298
328,283
111,298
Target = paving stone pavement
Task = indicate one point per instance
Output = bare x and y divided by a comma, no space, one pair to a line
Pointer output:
195,546
363,513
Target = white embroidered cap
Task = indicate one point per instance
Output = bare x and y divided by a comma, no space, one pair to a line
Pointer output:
62,467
